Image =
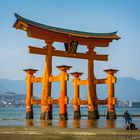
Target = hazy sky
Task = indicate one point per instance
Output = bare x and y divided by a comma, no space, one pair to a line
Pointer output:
83,15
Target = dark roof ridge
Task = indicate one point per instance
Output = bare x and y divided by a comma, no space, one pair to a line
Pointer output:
68,31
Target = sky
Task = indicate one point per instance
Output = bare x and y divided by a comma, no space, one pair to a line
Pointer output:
83,15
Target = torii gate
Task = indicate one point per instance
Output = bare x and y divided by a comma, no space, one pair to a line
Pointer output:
71,40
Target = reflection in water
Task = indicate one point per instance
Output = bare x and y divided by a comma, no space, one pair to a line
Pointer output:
29,123
45,123
62,124
76,123
92,123
111,123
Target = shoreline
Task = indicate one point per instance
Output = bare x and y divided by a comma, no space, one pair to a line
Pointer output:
120,115
16,132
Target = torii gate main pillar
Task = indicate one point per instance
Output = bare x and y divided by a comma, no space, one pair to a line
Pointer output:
92,96
46,108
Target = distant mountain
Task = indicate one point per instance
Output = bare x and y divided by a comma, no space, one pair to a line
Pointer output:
17,86
128,88
125,89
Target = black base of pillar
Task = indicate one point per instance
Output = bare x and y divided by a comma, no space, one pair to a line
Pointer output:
63,116
77,114
46,115
111,115
93,115
29,115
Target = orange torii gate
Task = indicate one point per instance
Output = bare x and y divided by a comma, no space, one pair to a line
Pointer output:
71,40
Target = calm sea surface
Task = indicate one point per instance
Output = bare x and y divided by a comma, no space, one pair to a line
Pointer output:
16,117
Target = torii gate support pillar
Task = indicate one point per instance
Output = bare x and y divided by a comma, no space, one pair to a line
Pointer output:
29,92
76,98
111,79
63,99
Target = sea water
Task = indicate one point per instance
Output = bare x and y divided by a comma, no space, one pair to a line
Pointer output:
16,117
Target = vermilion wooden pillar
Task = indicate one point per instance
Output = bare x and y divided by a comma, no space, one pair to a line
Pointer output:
46,108
63,99
111,79
76,105
29,92
92,97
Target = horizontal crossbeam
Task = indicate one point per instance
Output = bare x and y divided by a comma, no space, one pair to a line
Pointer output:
43,51
100,81
55,101
101,102
80,102
35,101
54,78
36,79
38,101
83,102
82,82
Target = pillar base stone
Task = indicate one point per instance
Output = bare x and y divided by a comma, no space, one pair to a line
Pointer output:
46,115
63,116
111,115
77,114
93,115
29,115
